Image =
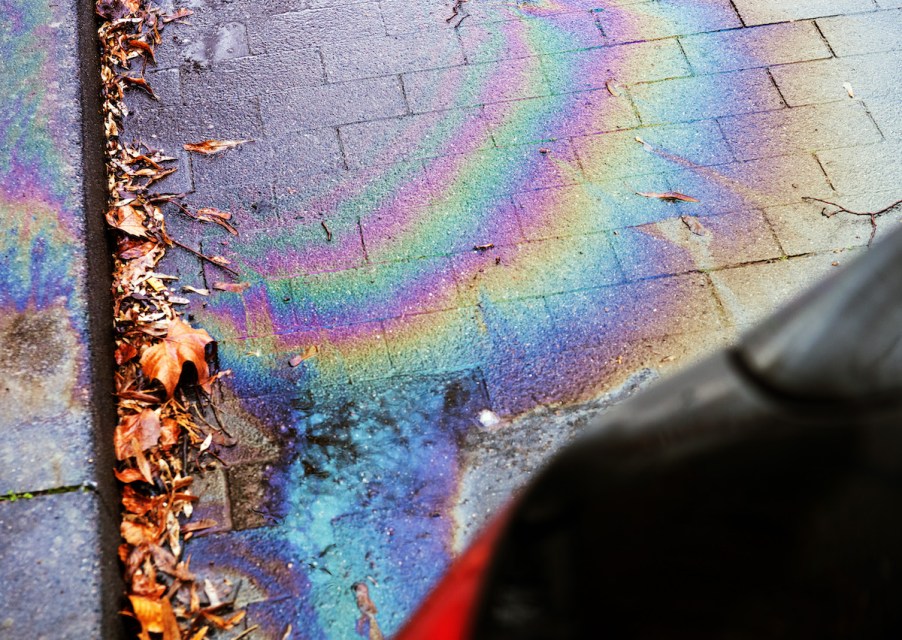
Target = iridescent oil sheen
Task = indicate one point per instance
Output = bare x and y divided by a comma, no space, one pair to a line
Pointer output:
479,271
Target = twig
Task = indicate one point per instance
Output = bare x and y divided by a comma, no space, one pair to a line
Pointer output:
328,232
246,632
458,11
871,215
205,257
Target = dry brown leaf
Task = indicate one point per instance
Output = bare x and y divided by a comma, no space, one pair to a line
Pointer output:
169,432
116,9
669,196
171,629
128,219
178,15
126,476
201,633
306,354
135,502
136,533
139,429
164,361
212,147
234,287
124,353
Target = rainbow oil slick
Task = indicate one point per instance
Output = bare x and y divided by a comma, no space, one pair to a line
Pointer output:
490,250
43,328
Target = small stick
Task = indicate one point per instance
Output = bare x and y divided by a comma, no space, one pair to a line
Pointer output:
246,632
328,233
205,257
872,215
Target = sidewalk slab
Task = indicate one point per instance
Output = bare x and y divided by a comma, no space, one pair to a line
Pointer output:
58,559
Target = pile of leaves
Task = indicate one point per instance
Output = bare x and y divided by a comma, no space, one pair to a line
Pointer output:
162,437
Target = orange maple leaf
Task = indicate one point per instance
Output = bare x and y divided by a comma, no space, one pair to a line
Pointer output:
164,361
139,431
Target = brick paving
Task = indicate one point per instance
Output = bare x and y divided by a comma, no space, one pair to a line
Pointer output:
526,130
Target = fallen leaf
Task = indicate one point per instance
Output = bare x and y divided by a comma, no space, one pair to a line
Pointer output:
169,432
308,353
178,15
210,214
116,9
128,475
141,428
128,219
143,84
694,225
190,289
669,196
137,534
182,344
212,147
613,88
124,353
234,287
136,503
199,525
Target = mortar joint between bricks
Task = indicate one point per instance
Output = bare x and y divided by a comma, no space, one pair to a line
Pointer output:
827,44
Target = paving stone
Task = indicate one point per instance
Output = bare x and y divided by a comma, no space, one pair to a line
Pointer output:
868,168
484,42
642,308
499,10
522,328
702,97
591,207
802,228
755,12
314,27
870,76
663,19
474,84
799,130
402,17
435,342
504,171
753,184
618,155
251,76
754,47
175,126
412,232
865,33
347,297
624,64
332,104
411,137
679,245
387,55
525,121
214,504
751,292
249,491
51,567
887,113
518,271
